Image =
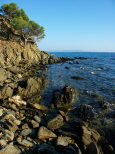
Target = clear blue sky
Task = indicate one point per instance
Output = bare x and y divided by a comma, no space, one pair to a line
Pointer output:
73,24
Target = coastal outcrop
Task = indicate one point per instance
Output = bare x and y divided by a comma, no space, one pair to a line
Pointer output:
26,125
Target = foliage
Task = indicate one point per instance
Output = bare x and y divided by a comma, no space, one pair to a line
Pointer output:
21,22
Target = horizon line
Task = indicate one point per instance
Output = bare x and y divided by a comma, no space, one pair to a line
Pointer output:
80,50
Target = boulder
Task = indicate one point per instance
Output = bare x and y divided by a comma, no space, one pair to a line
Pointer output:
44,133
64,97
85,112
56,122
89,135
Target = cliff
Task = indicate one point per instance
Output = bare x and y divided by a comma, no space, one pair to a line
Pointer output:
14,49
13,53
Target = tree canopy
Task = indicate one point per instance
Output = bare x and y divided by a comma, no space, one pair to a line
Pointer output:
21,22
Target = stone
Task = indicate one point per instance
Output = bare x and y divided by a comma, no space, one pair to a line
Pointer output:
25,126
17,122
9,116
9,135
10,149
56,122
85,112
64,141
17,100
39,106
35,124
11,126
26,132
1,112
38,119
25,142
44,133
77,78
3,142
89,135
64,98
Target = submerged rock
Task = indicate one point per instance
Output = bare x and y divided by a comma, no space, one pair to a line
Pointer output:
77,78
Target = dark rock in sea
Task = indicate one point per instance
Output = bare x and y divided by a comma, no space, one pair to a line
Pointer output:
66,67
85,112
82,58
64,97
77,78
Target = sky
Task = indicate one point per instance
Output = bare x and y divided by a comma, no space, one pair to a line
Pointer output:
87,25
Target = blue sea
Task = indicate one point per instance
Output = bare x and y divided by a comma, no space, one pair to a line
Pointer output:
98,73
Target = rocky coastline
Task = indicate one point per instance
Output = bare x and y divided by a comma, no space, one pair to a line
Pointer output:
27,126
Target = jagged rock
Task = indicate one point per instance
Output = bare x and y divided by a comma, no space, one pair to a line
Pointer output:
56,122
64,141
10,149
44,133
7,90
89,135
85,112
64,97
30,87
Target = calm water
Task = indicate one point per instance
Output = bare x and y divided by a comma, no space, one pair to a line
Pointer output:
98,73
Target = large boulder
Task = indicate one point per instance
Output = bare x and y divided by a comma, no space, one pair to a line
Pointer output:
64,97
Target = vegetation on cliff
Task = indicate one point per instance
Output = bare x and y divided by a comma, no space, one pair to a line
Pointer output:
21,22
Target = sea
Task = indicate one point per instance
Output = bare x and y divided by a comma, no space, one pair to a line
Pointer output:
95,77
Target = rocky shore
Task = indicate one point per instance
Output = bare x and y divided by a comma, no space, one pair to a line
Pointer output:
27,126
